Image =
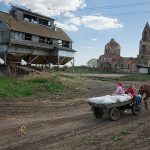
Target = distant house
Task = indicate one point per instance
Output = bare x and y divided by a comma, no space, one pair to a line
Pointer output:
144,69
112,61
28,36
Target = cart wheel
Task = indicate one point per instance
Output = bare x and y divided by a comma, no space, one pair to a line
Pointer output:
114,114
135,110
98,113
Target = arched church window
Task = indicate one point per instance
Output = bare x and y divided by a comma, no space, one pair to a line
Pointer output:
121,66
145,35
143,49
128,66
118,51
108,51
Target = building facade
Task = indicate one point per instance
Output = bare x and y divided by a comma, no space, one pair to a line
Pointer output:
144,49
29,36
112,61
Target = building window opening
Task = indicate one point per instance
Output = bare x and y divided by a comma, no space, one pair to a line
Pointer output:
66,44
49,41
41,39
128,66
30,18
143,48
121,66
50,22
60,43
13,35
145,35
43,22
28,37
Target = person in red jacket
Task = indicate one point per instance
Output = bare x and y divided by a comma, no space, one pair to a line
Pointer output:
132,91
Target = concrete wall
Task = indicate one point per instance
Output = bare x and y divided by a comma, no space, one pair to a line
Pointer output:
28,51
35,38
19,14
19,36
4,32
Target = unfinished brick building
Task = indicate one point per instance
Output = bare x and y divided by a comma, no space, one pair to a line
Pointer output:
112,61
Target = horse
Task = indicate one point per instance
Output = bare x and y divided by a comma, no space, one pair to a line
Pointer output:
145,89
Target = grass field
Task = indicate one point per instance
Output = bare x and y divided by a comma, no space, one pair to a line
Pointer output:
132,77
36,86
54,83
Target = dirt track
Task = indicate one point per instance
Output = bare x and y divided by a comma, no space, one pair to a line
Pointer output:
59,126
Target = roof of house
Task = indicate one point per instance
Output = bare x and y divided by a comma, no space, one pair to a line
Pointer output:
32,28
14,8
143,66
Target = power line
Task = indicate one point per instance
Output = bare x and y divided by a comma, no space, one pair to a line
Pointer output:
106,7
120,6
126,13
129,13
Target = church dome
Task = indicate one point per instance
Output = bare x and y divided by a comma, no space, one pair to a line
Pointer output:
112,48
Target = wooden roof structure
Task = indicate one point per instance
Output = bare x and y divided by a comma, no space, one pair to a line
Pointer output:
32,28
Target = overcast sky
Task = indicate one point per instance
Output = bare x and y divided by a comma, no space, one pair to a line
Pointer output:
92,23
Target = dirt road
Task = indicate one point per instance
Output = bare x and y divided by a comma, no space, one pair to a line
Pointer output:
70,128
67,123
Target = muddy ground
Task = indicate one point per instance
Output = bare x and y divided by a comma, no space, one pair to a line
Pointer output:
67,123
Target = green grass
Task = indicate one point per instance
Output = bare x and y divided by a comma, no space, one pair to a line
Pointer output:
133,77
82,70
120,136
39,80
54,83
55,87
11,87
86,70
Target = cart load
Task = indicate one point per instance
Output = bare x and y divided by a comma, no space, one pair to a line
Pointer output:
113,105
110,99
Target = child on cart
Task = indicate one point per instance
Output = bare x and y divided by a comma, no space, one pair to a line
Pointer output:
119,89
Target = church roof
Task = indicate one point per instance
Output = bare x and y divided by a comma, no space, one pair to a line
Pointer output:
112,44
146,33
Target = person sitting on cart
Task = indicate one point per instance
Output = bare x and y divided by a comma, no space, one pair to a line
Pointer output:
132,91
119,89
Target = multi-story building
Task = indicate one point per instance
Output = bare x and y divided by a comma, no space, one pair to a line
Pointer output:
34,38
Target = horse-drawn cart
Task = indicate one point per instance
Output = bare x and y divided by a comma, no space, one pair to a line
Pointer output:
114,110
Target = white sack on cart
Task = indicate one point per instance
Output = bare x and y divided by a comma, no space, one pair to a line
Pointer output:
101,100
109,99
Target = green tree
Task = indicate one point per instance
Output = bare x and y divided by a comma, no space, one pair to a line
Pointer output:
92,63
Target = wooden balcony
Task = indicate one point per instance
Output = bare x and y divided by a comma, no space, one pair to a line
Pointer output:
32,44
